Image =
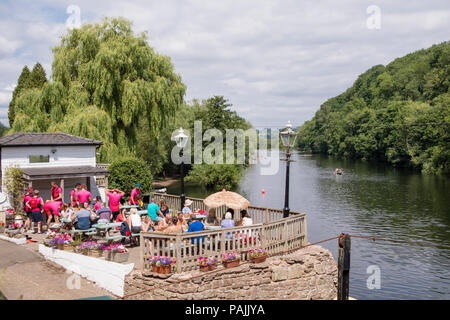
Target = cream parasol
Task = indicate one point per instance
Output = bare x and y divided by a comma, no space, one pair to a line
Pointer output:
226,198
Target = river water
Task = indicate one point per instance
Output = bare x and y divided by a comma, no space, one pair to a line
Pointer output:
369,199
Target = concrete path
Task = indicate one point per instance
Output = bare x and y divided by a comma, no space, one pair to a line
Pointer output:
24,274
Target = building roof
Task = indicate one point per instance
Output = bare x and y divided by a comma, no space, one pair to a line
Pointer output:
45,139
63,172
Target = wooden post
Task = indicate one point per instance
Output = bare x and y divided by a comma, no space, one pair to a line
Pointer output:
61,185
343,266
178,262
141,251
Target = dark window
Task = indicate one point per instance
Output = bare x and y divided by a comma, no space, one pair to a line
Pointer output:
37,159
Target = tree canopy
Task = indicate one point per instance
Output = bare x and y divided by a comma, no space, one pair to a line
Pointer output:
107,84
399,113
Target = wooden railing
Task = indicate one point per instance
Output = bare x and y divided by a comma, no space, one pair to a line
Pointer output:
270,231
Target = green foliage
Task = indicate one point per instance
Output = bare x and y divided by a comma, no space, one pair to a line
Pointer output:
125,173
215,176
13,181
108,84
22,84
398,113
37,77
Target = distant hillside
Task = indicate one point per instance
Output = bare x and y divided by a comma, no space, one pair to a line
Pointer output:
399,113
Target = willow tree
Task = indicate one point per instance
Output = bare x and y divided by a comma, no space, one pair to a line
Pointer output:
105,80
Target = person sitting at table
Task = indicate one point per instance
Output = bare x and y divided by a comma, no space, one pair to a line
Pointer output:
196,225
245,219
104,214
148,225
164,223
228,221
121,217
66,211
186,210
97,204
134,223
154,211
174,227
83,216
211,219
181,220
163,207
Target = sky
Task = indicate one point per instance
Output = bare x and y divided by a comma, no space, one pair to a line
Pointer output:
274,60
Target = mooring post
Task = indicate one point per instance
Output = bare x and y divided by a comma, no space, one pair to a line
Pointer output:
343,266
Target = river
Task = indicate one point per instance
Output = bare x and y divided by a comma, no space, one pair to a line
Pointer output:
369,199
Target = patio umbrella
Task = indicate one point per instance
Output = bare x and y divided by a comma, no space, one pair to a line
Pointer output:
230,199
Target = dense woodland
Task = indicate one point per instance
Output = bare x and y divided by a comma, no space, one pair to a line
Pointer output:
399,113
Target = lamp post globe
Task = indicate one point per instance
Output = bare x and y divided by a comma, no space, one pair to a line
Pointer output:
288,137
181,139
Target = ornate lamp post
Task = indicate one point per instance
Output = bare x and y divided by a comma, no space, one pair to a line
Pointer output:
288,139
181,140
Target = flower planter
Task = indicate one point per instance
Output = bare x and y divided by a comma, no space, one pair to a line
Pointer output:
164,269
154,268
119,257
46,242
12,233
204,268
231,264
2,229
212,267
96,253
258,259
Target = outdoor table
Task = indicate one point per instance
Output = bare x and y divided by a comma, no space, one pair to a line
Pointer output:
103,229
212,227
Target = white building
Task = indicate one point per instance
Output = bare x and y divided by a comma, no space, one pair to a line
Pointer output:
59,157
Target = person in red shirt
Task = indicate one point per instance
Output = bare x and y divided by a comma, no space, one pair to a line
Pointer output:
51,208
73,194
55,192
35,205
114,200
83,195
27,210
134,197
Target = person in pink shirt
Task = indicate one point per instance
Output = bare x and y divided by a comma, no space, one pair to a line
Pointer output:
27,198
73,194
51,208
134,197
83,195
55,192
114,200
97,204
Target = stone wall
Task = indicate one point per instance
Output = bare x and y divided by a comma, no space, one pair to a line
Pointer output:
309,273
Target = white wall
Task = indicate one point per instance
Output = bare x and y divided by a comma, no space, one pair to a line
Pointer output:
63,157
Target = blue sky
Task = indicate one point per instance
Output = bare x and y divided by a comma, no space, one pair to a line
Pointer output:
274,60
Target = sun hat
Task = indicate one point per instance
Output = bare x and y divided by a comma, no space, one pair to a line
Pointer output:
188,202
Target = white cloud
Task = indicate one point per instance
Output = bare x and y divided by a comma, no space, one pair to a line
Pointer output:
274,60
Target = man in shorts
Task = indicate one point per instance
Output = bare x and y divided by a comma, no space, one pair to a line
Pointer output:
51,208
35,205
114,201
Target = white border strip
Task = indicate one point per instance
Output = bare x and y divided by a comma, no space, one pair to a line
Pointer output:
16,241
106,274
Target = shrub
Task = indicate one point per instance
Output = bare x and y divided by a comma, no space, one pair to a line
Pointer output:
15,186
125,173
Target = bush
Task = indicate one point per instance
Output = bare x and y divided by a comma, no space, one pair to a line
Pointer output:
215,176
15,186
125,173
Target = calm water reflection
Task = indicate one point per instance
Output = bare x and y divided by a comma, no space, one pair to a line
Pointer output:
369,199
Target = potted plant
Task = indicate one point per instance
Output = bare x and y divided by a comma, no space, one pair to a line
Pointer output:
76,246
14,229
152,260
207,264
91,248
230,259
257,255
116,252
164,264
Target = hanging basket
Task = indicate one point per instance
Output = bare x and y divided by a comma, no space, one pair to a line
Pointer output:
259,259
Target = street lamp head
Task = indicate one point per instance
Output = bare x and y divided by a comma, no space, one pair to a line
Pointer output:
288,136
181,138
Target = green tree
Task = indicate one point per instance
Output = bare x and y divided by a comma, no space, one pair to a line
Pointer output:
106,80
37,77
22,84
125,173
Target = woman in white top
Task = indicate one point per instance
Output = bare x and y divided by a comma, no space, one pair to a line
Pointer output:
134,221
245,219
